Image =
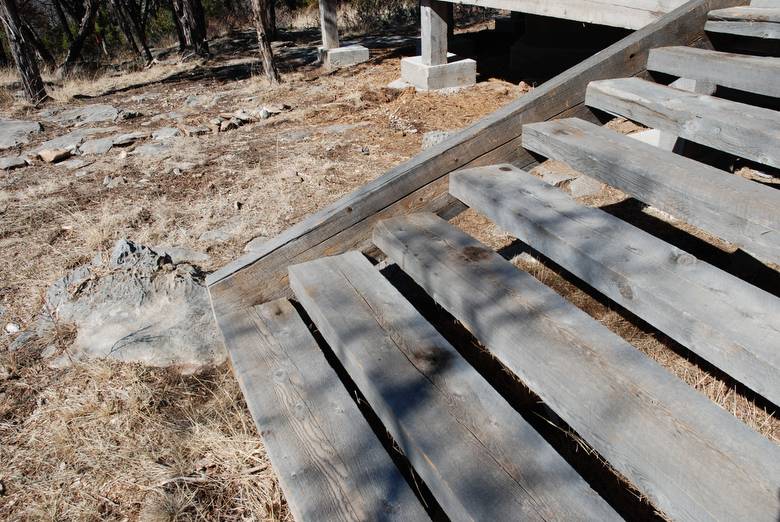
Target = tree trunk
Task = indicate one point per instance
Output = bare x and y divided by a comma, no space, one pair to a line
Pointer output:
20,49
130,27
193,25
271,18
43,53
177,23
264,43
3,57
85,29
63,20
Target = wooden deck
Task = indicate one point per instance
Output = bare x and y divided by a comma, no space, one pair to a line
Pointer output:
369,412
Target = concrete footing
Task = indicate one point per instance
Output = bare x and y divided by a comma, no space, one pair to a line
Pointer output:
458,72
343,56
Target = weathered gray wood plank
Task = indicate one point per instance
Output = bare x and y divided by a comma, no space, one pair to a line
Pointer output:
765,30
757,74
765,3
740,211
725,320
346,224
330,464
737,128
476,454
691,458
746,14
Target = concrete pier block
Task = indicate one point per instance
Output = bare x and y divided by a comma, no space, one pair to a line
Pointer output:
343,56
458,72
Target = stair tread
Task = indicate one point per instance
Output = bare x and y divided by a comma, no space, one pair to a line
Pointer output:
737,210
330,463
725,320
477,455
756,74
746,14
690,457
737,128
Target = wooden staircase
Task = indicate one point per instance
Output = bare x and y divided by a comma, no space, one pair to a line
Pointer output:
469,449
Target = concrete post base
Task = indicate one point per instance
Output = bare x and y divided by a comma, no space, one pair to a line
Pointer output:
343,56
457,73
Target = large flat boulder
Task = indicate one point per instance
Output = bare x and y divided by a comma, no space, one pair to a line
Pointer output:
15,132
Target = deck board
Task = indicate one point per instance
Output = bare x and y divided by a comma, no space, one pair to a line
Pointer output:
737,128
756,74
742,212
330,464
725,320
691,458
478,456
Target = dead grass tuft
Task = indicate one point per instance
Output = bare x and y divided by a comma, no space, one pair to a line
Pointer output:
110,440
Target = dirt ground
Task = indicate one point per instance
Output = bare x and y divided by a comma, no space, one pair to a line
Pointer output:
125,442
117,441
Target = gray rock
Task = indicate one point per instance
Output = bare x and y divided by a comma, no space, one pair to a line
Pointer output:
54,155
585,186
72,140
179,254
12,328
154,150
173,115
230,124
195,131
139,308
122,140
111,182
74,163
81,115
341,128
12,162
224,233
165,133
98,146
432,138
15,132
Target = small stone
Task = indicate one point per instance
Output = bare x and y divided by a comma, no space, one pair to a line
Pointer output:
12,328
165,133
194,131
243,115
228,125
585,186
54,155
433,138
264,113
256,244
111,183
12,162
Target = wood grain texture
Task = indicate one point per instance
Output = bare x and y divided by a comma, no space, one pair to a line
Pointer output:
330,464
737,210
261,275
329,24
477,455
629,14
764,30
725,320
746,14
691,458
757,74
737,128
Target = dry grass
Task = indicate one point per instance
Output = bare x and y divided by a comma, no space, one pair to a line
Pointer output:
112,441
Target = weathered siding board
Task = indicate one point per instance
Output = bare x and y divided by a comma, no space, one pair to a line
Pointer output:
329,462
692,459
757,74
477,455
745,213
261,275
725,320
737,128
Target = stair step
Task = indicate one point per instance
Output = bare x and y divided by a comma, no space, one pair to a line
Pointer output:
477,455
737,128
746,14
690,457
765,3
737,210
756,74
330,463
725,320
